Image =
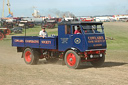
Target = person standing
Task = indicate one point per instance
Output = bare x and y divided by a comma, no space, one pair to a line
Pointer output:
43,33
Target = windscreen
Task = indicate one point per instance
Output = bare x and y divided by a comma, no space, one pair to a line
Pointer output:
93,28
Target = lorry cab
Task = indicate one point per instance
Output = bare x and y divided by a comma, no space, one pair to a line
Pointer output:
90,36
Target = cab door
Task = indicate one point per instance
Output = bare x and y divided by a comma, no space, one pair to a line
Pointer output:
64,37
77,40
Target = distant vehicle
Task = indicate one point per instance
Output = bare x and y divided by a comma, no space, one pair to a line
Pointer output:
50,23
37,21
102,19
6,23
22,24
17,30
28,24
87,19
89,45
70,19
123,19
5,27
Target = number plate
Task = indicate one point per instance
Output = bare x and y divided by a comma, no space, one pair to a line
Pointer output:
96,56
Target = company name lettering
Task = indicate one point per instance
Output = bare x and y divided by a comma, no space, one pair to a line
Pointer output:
97,45
96,38
17,40
32,41
46,42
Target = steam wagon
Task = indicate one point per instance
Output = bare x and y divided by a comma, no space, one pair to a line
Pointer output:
89,45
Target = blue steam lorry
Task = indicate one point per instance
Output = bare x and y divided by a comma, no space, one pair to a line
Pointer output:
89,45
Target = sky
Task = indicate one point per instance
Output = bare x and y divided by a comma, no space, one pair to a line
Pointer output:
25,8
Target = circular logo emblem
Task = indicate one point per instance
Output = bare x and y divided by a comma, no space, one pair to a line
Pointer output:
77,40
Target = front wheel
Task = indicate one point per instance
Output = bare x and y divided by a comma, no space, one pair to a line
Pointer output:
30,56
72,59
99,62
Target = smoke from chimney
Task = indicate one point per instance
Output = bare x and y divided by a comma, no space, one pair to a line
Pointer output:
59,13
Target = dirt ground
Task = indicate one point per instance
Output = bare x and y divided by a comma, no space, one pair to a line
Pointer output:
14,71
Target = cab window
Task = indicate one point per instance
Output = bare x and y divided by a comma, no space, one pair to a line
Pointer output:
93,28
67,29
76,29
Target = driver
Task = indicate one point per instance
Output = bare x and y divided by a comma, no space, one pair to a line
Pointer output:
78,31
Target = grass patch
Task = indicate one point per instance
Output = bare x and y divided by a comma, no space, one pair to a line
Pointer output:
118,31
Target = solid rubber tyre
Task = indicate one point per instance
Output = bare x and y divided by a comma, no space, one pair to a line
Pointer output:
31,56
99,62
72,59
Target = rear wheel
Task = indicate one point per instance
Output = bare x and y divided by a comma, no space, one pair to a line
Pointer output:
99,62
30,56
72,59
1,36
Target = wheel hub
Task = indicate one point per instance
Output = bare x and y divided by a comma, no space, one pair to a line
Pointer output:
71,59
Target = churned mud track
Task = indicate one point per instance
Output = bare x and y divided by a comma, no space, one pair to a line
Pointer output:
13,71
